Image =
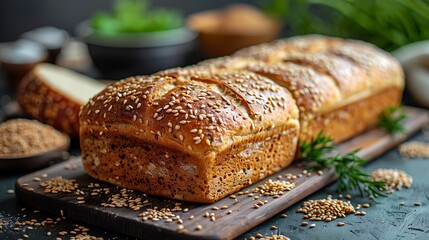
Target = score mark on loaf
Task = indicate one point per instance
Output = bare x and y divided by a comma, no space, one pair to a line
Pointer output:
202,132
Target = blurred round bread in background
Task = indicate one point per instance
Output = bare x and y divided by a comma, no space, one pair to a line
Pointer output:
224,31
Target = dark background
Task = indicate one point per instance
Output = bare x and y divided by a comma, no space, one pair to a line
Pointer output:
18,16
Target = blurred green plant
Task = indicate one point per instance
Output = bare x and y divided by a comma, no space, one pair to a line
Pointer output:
133,16
387,23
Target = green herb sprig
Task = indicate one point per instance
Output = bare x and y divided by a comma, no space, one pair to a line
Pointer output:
402,21
348,167
392,119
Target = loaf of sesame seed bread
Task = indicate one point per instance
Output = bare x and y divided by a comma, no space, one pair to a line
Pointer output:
340,86
202,132
54,95
197,139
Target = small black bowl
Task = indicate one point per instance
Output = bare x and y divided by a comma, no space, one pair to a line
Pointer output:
123,55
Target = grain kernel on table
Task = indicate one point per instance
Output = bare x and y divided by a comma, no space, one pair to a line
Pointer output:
360,213
340,224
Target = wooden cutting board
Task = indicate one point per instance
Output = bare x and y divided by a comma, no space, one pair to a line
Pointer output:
243,215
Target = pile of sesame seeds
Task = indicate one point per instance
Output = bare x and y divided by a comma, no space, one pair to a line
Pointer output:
272,237
274,188
168,215
85,237
326,209
394,179
59,184
22,137
124,199
414,149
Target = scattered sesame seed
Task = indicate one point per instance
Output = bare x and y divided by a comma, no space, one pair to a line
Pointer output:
360,213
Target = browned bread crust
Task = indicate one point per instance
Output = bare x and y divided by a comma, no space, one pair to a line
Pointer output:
202,132
48,105
55,95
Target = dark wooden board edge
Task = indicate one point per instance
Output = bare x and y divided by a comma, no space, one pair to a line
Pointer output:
372,144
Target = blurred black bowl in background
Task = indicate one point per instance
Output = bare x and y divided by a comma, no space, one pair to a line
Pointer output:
122,55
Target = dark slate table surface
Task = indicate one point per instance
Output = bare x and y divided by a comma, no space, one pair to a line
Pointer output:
385,219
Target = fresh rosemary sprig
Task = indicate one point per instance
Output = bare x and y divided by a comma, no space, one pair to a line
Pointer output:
348,167
316,147
392,119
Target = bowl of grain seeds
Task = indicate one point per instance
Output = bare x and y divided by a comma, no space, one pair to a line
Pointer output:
28,144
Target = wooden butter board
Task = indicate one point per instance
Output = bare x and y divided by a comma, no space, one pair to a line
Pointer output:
243,217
